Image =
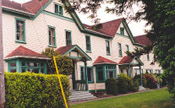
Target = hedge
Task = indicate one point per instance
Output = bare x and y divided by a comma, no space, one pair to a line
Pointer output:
30,90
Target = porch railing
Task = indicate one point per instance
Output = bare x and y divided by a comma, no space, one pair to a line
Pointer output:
80,85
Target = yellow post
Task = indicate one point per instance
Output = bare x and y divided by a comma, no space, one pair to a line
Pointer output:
62,91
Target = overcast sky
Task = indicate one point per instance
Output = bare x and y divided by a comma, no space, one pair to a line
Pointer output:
136,28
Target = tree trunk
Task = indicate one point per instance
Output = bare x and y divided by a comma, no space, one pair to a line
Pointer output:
2,87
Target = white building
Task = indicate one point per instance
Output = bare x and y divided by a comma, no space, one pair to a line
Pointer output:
97,54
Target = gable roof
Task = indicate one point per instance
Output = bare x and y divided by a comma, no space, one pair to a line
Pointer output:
143,40
126,60
102,60
22,52
66,49
109,28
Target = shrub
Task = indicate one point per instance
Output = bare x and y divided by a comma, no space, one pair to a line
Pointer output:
137,78
111,86
134,85
30,90
122,83
64,63
151,82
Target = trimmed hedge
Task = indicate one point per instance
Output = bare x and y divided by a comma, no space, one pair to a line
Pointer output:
111,86
123,83
30,90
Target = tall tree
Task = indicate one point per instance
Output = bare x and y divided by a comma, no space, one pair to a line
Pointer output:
159,13
2,89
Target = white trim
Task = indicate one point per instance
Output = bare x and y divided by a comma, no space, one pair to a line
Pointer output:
27,57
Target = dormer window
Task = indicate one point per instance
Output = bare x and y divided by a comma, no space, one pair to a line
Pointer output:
122,31
58,9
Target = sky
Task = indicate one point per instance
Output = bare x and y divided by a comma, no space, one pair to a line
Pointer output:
137,28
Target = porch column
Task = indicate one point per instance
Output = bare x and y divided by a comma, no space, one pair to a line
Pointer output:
86,77
129,71
141,83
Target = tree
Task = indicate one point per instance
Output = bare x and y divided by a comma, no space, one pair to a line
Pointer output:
64,63
159,13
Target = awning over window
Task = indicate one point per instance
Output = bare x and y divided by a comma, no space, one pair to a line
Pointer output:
128,60
102,60
73,51
22,52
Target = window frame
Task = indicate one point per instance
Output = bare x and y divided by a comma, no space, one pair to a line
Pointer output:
87,36
52,27
122,31
148,57
127,47
107,42
120,50
24,31
70,37
19,66
92,73
60,12
105,71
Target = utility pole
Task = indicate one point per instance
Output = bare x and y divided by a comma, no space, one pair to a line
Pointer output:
2,87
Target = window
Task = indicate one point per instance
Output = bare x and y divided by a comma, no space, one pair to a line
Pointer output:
88,44
121,70
122,31
36,66
110,71
120,49
148,58
104,72
58,9
82,73
52,42
127,47
107,47
137,71
90,74
68,38
150,71
20,30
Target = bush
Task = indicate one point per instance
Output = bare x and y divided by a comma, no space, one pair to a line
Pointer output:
111,86
123,83
151,82
134,85
30,90
137,78
64,63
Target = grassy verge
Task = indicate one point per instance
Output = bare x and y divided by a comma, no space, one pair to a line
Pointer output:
152,99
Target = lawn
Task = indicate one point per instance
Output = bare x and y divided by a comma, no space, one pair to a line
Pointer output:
151,99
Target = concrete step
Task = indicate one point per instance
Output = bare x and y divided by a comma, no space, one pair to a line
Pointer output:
80,96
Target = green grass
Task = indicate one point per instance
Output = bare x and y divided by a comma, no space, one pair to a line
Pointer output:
152,99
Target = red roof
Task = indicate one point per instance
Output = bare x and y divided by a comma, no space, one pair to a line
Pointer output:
126,60
64,49
143,39
31,7
102,60
109,28
24,52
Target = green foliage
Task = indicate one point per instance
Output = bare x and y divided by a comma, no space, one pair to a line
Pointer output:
137,78
151,82
123,83
111,86
30,90
64,63
133,85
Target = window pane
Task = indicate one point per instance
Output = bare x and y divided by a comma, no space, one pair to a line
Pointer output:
23,70
60,10
82,73
111,74
88,43
13,70
89,72
33,64
34,70
12,64
51,36
20,30
56,8
100,75
107,47
68,38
